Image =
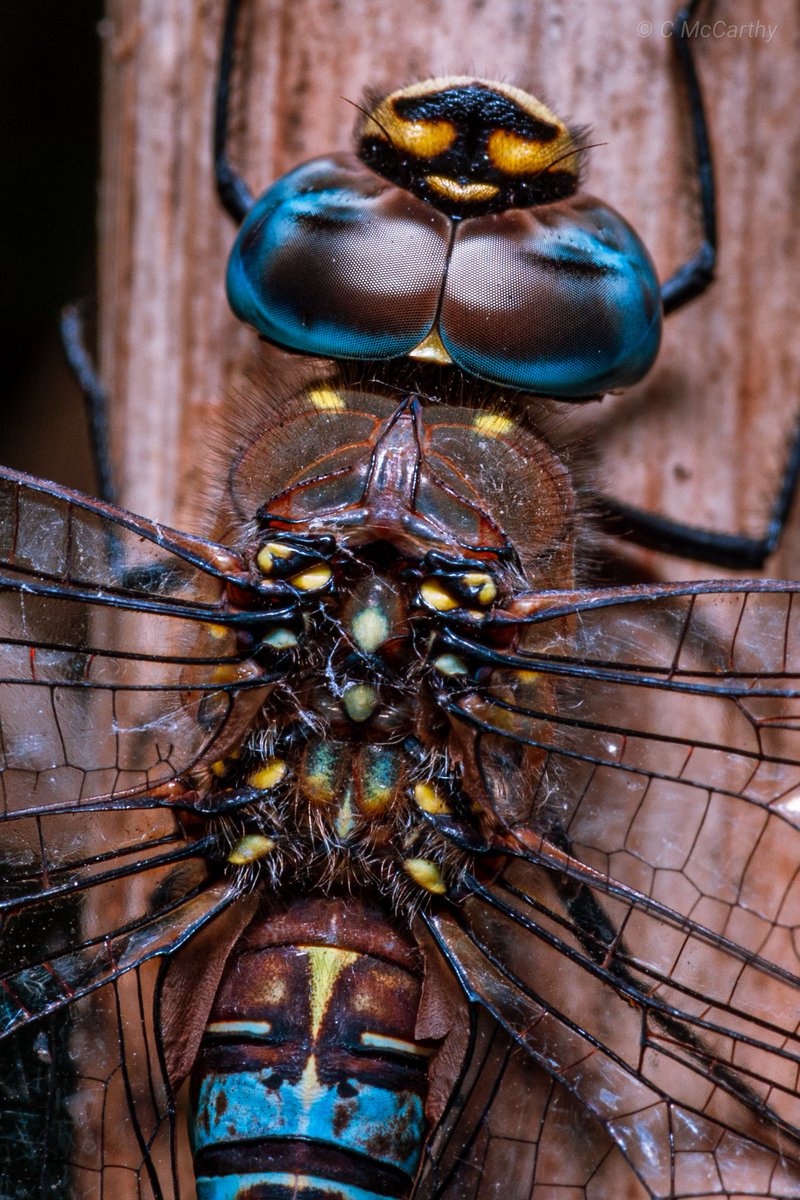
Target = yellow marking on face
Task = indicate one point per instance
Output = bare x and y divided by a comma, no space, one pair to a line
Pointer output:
360,701
453,189
219,768
527,676
313,578
217,631
435,596
226,1028
382,1041
370,629
426,873
421,139
430,799
269,775
493,424
516,155
431,349
326,964
250,848
325,399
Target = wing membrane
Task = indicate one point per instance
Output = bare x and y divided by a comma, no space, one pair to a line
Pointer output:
119,659
642,944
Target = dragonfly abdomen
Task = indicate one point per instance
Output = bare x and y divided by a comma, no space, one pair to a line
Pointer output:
309,1078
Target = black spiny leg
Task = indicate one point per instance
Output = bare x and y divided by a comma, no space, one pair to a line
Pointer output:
95,398
694,276
731,550
234,194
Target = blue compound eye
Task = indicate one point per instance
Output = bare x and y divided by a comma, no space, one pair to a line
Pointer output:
559,300
427,249
335,262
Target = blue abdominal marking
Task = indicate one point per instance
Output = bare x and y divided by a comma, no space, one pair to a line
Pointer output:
247,1105
231,1187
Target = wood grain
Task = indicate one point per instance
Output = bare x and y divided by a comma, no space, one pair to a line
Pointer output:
702,439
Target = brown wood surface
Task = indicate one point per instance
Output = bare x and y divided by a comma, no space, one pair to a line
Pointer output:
702,438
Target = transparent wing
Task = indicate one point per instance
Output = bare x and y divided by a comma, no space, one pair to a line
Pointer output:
639,751
121,665
119,658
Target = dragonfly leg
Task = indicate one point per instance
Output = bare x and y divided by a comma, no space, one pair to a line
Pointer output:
235,196
734,551
95,397
694,275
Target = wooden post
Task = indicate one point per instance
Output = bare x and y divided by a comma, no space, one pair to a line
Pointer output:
703,438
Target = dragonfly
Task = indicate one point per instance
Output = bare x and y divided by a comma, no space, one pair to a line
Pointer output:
368,848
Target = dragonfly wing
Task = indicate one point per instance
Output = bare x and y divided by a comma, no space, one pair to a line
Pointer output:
640,941
119,660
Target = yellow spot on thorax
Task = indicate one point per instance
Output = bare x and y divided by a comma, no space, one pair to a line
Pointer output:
312,579
430,799
487,587
265,559
426,873
360,701
450,664
325,399
269,775
344,822
493,424
436,596
250,848
370,629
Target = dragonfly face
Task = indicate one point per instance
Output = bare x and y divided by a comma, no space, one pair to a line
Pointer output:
414,854
456,236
